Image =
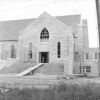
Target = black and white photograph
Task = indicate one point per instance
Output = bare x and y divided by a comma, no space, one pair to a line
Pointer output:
49,49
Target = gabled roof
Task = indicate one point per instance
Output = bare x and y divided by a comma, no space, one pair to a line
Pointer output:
9,30
71,20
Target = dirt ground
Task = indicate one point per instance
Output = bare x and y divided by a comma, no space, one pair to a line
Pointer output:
42,81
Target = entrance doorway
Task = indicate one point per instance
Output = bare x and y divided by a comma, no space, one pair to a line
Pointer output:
44,57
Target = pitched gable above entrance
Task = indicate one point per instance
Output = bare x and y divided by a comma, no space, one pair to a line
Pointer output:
10,30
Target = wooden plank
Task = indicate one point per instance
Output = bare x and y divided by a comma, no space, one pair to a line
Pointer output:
29,70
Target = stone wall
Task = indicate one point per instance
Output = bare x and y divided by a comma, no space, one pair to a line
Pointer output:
5,49
58,32
94,67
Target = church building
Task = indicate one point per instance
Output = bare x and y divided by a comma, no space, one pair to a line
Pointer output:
60,44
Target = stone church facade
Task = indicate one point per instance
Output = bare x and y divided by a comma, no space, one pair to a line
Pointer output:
49,40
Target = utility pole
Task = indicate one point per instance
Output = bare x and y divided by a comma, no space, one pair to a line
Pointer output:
97,3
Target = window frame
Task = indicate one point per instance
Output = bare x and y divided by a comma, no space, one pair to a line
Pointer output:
44,36
30,50
58,50
13,51
86,69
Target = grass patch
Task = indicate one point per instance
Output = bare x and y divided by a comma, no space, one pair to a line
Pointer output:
61,92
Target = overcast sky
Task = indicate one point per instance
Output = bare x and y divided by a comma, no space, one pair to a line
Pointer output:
23,9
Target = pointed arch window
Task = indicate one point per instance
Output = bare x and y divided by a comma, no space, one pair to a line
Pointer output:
44,36
13,52
30,50
59,50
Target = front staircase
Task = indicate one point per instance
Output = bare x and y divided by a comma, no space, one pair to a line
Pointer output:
44,69
16,68
53,68
22,69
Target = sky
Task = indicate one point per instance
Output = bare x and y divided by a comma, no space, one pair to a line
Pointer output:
25,9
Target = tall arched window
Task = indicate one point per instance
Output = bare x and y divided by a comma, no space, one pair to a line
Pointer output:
44,34
59,50
13,52
30,50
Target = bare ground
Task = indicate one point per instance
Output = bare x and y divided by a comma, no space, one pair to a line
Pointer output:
41,81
